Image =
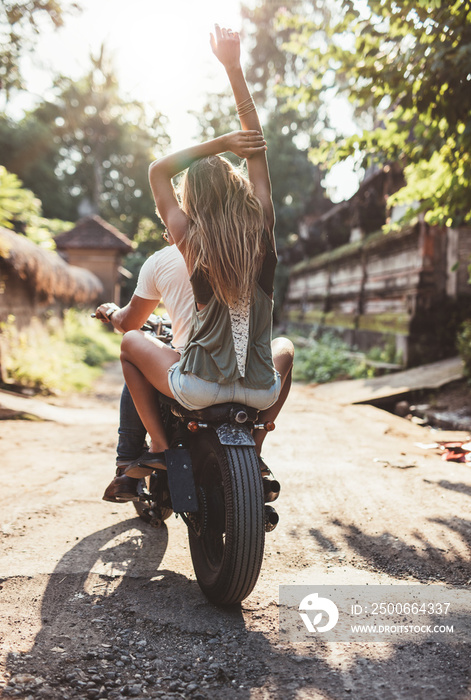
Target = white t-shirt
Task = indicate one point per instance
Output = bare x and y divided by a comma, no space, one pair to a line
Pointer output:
164,277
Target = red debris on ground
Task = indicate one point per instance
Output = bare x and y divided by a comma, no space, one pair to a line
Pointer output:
450,451
456,451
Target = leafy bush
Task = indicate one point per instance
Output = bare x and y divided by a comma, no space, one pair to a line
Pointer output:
97,344
57,356
326,360
385,353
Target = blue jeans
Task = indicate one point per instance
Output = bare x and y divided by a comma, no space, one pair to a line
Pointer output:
131,431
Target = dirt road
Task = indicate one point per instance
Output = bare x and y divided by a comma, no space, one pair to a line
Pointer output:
95,604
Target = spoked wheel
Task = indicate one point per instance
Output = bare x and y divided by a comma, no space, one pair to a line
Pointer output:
157,508
227,535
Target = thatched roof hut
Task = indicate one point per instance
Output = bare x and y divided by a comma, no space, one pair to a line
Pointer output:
95,233
96,245
48,276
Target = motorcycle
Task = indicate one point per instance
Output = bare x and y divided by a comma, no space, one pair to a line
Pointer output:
218,486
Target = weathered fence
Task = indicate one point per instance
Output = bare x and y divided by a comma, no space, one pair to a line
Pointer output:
409,286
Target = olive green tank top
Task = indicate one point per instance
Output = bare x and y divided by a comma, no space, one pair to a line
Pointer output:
210,353
216,330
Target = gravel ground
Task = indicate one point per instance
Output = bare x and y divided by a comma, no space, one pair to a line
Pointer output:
96,604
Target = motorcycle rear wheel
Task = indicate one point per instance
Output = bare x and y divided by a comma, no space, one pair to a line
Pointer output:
227,536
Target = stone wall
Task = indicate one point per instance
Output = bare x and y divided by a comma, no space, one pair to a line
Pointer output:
407,287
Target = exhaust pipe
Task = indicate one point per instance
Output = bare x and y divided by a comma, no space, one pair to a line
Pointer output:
271,518
271,489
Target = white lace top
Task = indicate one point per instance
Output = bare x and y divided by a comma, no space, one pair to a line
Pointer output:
240,317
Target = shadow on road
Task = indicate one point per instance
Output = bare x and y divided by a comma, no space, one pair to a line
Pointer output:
423,561
459,487
115,625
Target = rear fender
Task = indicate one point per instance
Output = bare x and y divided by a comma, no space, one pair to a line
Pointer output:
230,434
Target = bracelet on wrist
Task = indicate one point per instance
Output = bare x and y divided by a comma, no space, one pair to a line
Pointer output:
245,106
248,100
246,110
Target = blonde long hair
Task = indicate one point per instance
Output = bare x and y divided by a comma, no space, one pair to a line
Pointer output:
225,237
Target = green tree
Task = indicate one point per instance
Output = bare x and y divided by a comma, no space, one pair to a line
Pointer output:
273,65
296,182
31,149
406,68
88,147
108,144
21,210
20,24
15,201
218,115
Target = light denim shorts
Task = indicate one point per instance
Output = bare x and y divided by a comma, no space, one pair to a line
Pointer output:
194,393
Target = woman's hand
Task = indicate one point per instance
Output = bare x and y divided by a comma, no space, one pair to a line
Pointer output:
245,144
226,47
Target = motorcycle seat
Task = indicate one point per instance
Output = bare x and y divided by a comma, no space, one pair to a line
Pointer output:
219,413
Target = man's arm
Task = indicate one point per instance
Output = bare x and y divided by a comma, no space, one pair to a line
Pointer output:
129,317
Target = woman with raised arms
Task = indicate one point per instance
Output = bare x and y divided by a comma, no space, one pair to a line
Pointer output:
222,223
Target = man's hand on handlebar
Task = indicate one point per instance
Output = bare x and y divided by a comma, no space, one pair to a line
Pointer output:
104,311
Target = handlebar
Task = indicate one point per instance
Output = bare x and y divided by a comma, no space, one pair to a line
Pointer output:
160,326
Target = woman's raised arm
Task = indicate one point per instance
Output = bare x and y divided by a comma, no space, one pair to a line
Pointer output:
161,173
226,47
245,144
